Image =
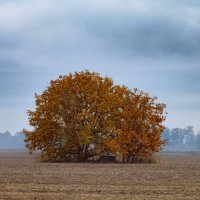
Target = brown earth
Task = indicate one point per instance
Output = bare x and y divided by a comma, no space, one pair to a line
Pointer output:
173,177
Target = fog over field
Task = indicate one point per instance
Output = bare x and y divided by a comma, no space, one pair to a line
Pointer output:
11,142
178,140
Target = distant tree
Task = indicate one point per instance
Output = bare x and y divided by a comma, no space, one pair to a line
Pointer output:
166,134
180,139
189,137
177,136
8,141
83,114
197,141
7,133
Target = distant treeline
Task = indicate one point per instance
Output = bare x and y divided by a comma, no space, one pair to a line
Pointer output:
178,139
181,139
8,141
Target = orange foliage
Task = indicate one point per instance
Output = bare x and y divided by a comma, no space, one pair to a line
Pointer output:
84,114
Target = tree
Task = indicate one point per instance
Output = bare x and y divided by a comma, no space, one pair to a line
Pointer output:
140,126
83,114
181,139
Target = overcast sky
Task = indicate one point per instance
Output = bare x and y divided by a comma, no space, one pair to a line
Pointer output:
151,45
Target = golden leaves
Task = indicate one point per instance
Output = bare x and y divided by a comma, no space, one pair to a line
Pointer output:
85,114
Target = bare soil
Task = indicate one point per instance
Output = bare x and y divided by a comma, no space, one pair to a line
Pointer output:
173,177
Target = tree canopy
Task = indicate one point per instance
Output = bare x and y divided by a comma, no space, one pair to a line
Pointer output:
82,115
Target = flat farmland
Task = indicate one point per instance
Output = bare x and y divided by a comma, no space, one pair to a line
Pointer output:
173,177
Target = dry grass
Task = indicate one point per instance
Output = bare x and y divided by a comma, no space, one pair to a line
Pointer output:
173,177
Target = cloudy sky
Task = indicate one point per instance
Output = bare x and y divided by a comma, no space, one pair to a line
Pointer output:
151,45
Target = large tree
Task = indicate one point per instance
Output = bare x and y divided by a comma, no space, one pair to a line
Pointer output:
83,114
140,126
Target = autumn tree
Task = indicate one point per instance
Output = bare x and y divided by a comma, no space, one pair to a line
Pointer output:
140,126
83,114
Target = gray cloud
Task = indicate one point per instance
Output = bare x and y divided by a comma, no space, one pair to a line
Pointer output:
140,29
150,45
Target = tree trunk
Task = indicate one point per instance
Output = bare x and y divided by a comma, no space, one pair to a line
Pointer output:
85,153
133,158
123,159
